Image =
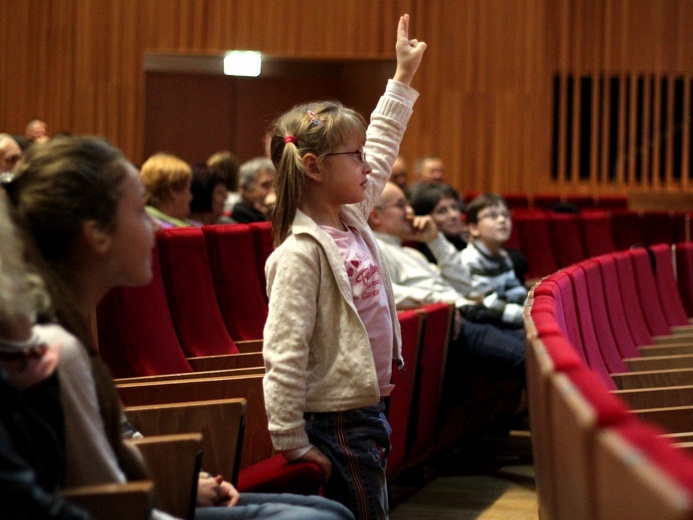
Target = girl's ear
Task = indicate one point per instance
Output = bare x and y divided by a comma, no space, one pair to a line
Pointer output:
96,238
311,167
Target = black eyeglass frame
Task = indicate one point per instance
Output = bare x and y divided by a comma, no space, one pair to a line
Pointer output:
359,154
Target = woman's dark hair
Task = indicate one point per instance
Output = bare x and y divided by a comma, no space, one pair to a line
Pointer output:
59,186
204,180
426,197
63,183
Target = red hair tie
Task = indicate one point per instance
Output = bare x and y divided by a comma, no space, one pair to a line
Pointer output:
289,139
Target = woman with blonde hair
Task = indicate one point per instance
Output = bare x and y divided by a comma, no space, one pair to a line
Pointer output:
168,180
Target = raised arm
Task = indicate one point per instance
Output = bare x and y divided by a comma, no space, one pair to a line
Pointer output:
409,52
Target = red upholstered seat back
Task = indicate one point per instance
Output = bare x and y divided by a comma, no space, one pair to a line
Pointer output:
668,291
236,280
596,234
136,334
533,232
566,239
399,410
187,277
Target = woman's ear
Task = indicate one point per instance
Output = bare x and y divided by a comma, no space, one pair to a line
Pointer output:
96,238
312,167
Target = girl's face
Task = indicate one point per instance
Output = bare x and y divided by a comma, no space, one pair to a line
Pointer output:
130,254
219,194
447,217
346,173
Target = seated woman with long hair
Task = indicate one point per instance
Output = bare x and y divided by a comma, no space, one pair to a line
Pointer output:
81,207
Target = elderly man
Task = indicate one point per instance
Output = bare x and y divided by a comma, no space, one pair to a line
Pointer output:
10,153
256,182
36,131
427,170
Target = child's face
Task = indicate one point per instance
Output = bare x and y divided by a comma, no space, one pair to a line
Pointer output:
346,172
493,226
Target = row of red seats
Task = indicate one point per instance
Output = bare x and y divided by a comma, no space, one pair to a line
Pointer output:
551,200
205,301
588,329
555,240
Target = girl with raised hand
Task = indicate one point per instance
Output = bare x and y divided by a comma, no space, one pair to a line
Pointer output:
332,331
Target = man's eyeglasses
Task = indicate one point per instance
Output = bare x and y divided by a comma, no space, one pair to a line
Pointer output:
495,215
359,154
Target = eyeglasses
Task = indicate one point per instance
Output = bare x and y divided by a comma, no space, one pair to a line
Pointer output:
359,154
495,215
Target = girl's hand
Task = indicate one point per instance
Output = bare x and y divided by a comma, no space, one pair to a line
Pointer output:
317,456
409,53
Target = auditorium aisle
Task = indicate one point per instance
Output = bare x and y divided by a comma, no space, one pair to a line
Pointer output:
492,479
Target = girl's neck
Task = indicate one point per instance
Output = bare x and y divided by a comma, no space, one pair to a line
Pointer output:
320,210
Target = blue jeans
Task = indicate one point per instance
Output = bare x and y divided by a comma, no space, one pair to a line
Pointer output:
275,506
503,346
357,442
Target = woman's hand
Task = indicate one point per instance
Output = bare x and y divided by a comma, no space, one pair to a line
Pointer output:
409,53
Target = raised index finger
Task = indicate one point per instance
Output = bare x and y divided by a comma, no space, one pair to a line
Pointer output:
403,27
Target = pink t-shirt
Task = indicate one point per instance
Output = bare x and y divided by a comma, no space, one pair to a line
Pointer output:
370,300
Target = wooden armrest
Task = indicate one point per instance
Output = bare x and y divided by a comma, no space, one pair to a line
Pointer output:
675,339
221,421
653,378
131,500
193,375
227,362
663,397
251,345
664,362
174,463
666,350
257,444
673,419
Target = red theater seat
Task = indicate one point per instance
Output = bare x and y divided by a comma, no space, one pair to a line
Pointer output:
237,284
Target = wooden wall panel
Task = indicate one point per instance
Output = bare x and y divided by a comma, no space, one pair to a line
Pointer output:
486,84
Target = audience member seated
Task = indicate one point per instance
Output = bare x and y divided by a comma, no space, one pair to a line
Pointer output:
493,280
227,164
443,203
445,206
256,180
209,195
167,181
37,131
81,255
399,172
31,419
416,281
427,169
10,153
